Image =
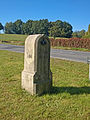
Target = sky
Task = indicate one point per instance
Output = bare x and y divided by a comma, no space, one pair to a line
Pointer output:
75,12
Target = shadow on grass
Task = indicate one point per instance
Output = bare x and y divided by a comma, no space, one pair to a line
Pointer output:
71,90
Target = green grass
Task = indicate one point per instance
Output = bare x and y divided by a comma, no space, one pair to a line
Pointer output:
14,39
58,37
69,98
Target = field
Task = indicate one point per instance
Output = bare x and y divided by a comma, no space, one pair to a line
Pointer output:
14,39
58,43
69,98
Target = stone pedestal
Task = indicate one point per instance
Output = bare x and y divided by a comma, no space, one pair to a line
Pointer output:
36,76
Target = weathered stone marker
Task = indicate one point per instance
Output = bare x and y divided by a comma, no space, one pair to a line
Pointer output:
36,76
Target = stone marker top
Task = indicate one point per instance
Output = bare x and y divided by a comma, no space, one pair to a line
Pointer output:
33,38
32,42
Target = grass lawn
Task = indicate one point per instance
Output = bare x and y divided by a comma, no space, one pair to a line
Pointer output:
69,98
14,39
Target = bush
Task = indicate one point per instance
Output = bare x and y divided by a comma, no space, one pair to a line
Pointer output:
71,42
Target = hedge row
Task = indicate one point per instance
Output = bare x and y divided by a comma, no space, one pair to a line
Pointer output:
71,42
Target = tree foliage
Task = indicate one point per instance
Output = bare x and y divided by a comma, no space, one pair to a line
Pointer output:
9,28
60,29
18,26
89,29
1,26
54,29
78,34
87,33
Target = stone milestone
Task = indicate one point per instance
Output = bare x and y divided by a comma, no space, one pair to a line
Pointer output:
36,76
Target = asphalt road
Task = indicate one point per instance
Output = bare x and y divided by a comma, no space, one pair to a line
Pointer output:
55,53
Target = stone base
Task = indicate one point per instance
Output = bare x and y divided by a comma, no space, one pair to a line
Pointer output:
29,84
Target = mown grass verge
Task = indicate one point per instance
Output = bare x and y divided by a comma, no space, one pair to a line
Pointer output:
69,98
14,39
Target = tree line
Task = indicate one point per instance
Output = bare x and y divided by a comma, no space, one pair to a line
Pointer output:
53,29
78,34
1,26
82,33
88,32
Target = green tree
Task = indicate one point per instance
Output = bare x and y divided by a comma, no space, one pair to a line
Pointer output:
78,34
81,33
55,29
18,26
36,27
27,27
89,29
9,28
86,33
60,29
75,34
43,26
1,26
66,30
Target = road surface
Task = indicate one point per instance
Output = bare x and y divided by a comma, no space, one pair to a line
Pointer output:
55,53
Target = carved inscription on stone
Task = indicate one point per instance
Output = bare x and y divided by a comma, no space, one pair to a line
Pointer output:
29,55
